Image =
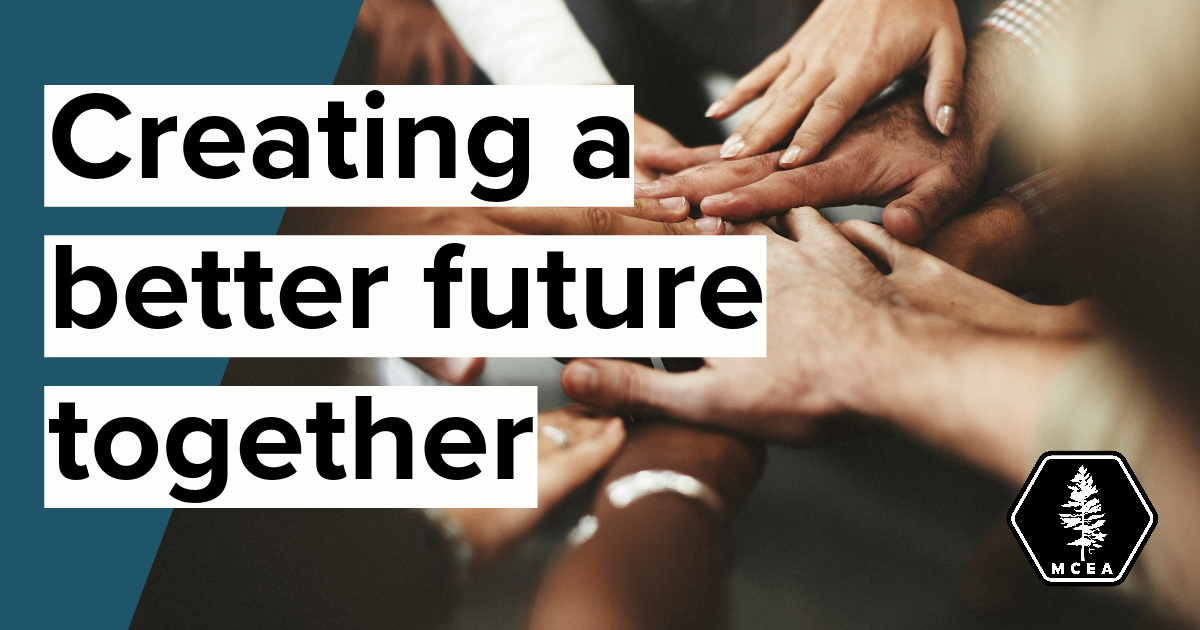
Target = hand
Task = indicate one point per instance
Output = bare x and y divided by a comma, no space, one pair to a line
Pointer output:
408,32
843,339
847,52
593,439
828,309
887,157
935,286
996,242
651,137
668,216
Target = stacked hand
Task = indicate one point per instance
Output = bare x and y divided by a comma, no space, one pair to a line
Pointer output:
888,156
829,310
845,54
592,439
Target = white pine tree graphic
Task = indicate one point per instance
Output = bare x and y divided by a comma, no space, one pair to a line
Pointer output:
1086,517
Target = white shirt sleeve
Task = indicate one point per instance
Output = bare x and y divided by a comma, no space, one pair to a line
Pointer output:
525,42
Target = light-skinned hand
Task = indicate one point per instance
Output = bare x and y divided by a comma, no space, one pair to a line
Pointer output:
847,52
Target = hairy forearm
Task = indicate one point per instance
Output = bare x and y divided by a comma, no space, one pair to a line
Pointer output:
976,394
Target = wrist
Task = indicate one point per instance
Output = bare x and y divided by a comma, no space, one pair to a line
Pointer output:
996,76
727,464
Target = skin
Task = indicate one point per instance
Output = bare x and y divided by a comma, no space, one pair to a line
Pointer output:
844,339
845,53
935,286
647,135
647,216
593,439
666,217
659,562
887,156
996,242
409,33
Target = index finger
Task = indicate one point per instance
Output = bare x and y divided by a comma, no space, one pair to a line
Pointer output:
820,185
710,180
596,221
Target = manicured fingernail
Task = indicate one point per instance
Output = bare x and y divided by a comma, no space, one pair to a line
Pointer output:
583,377
645,189
945,120
732,146
717,106
791,155
709,225
673,203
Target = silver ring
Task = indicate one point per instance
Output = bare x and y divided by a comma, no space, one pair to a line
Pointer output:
556,435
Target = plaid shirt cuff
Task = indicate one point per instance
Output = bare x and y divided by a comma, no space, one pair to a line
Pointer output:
1034,23
1043,197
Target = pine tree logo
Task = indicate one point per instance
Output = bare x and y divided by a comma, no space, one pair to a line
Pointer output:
1085,517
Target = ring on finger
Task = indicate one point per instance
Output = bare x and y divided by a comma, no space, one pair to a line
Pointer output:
556,435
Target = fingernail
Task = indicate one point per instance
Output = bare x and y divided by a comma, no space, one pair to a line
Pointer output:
583,377
732,146
714,108
916,218
615,428
721,198
456,367
645,189
791,155
709,225
945,120
673,203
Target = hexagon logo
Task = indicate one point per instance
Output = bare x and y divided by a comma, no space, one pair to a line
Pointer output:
1082,518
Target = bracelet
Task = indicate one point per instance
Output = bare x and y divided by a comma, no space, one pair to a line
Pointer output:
632,487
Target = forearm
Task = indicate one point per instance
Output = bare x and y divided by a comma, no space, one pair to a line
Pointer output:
996,243
976,394
658,562
656,565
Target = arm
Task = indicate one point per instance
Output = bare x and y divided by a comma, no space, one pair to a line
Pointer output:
525,42
658,562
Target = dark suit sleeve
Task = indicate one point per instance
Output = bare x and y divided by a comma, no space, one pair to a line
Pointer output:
296,569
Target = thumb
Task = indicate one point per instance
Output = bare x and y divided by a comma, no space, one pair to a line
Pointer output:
873,240
560,473
943,89
914,216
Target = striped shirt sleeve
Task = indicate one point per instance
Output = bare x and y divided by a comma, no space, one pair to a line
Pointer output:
1034,23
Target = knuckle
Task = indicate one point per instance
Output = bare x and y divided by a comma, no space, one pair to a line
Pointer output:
833,104
598,220
949,86
790,100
